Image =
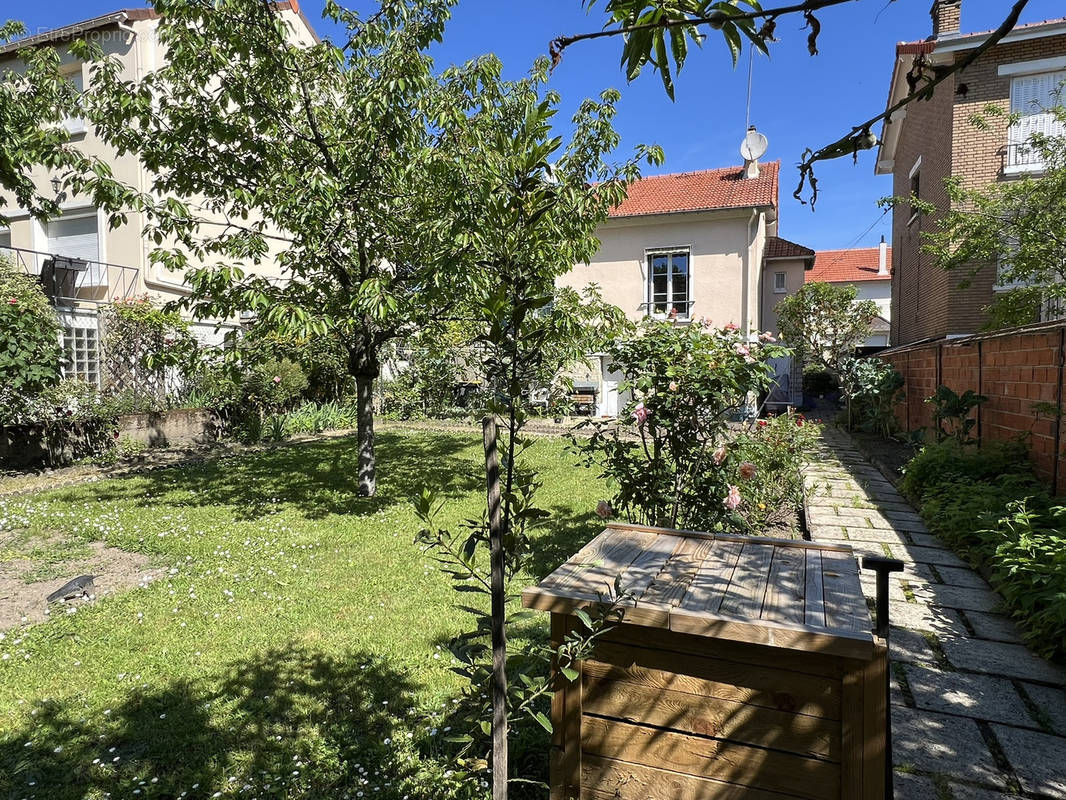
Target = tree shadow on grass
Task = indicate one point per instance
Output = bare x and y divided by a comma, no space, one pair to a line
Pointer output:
318,478
289,723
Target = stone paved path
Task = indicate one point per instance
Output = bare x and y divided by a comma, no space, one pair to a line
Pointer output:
976,716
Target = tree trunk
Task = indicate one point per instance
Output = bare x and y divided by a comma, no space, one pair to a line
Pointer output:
364,385
498,600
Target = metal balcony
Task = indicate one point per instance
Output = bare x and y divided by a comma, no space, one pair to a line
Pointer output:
70,281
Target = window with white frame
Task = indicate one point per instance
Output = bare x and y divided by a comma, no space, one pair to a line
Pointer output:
669,283
75,125
76,235
82,347
780,283
5,242
1032,98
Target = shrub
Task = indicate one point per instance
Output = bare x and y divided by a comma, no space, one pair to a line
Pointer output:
818,381
949,462
30,355
873,388
952,413
670,463
987,504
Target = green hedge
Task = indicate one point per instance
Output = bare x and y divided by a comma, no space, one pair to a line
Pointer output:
987,504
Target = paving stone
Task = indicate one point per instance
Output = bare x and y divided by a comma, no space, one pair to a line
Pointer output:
913,787
977,696
993,626
910,646
962,576
925,539
920,617
869,587
875,535
1052,702
999,658
928,555
944,744
897,506
963,792
938,594
1039,759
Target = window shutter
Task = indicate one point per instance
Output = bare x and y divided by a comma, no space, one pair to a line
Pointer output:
1031,95
78,237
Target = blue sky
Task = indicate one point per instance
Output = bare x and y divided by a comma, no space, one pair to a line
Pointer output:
797,101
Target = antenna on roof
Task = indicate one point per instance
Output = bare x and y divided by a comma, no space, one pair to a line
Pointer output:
752,149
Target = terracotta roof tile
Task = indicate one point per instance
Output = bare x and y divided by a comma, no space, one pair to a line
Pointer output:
842,266
776,247
705,190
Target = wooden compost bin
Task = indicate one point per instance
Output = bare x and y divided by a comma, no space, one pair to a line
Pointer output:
744,669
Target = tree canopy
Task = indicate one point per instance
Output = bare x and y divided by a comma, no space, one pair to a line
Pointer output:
824,322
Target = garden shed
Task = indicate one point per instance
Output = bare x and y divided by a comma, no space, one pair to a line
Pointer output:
742,667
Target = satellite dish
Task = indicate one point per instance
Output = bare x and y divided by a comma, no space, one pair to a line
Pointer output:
754,145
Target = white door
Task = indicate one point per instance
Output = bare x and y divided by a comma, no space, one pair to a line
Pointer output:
77,237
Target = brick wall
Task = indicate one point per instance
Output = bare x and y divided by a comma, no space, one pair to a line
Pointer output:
1016,369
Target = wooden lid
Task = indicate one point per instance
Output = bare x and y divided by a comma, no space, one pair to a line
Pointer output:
783,593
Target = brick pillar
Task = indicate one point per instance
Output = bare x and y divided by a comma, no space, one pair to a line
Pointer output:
947,17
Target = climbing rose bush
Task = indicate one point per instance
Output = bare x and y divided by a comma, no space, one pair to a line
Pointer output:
668,459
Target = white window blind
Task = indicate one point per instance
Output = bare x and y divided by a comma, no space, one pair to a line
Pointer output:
1031,97
75,125
78,237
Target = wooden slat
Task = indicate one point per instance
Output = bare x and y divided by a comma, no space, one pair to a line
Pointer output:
712,758
712,578
851,723
569,573
875,724
744,596
845,606
601,574
637,577
565,755
766,633
784,600
712,716
812,663
673,581
779,688
813,599
803,544
607,779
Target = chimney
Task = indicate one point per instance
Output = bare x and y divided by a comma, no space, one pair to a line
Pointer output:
947,17
882,258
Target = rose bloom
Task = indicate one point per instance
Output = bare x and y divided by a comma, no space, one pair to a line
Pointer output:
731,327
747,470
767,337
733,499
640,414
604,510
673,386
719,455
12,301
741,349
763,423
277,379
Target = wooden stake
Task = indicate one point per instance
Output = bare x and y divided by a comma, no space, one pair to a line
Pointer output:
499,635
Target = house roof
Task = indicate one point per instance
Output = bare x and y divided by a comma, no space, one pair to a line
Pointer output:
961,41
776,247
845,266
705,190
117,17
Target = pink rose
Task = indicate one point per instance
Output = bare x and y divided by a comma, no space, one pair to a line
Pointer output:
640,414
747,470
673,386
719,455
733,499
604,510
277,379
767,337
12,301
730,327
742,349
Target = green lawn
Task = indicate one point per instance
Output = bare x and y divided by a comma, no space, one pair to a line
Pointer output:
291,646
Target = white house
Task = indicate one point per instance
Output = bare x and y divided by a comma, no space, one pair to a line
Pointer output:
868,270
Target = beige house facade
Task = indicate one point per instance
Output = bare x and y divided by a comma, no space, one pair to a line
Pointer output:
82,263
694,247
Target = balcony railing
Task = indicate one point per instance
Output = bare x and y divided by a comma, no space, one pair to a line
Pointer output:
1022,156
67,280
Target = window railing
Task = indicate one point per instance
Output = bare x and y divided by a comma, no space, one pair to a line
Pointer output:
67,280
1022,155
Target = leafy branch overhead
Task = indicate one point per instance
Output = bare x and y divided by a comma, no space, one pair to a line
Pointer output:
659,32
